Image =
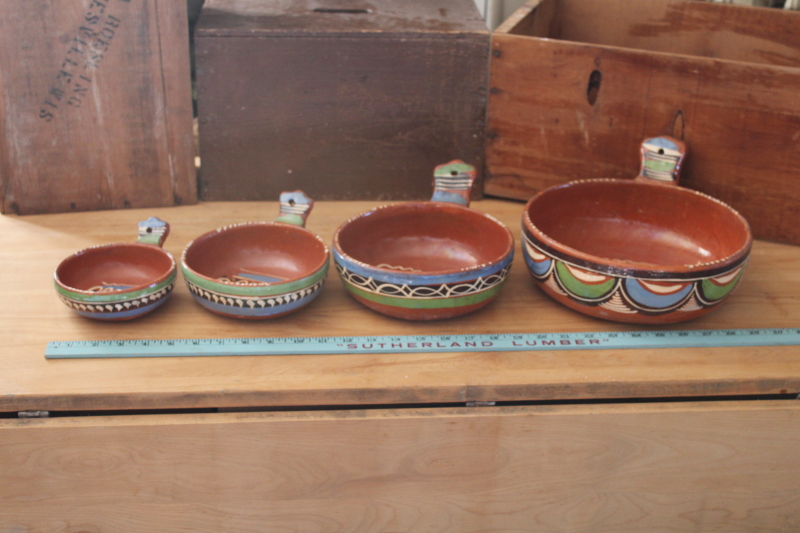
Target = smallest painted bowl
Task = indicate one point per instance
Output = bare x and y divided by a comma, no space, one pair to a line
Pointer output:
257,270
119,281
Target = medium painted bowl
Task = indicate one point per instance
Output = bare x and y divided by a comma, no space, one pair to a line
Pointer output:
425,260
119,281
257,270
642,251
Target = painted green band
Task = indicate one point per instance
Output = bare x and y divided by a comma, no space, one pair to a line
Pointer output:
576,286
256,290
425,303
293,219
113,296
661,166
150,238
714,292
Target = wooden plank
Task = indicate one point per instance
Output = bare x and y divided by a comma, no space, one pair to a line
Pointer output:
96,104
621,468
703,29
739,119
31,315
338,17
369,103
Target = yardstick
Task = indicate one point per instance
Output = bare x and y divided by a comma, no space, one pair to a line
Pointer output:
423,343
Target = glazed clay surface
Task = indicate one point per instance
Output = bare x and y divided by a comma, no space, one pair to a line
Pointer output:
425,238
638,225
125,265
277,251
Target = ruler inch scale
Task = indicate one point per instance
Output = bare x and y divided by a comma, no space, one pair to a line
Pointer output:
386,344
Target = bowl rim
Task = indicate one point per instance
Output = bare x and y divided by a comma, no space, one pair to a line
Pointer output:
124,293
425,205
255,284
637,268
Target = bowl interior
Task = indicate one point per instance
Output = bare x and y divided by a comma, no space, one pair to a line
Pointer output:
425,237
116,266
638,222
267,253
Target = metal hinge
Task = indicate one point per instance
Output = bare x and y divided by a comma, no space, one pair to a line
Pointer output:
480,404
33,414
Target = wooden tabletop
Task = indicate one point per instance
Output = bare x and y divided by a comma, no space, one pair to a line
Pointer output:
32,315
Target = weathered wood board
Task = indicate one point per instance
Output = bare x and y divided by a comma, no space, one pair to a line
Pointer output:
345,100
95,105
677,467
577,85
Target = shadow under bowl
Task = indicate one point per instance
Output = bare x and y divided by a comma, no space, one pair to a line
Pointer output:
634,252
255,270
116,281
423,261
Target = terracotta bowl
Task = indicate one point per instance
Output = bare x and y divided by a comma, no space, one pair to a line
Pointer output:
425,260
119,281
642,251
258,270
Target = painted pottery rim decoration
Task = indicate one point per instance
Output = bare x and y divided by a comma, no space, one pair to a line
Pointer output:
107,297
634,269
416,277
254,284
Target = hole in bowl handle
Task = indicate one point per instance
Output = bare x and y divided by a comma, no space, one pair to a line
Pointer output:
662,160
153,231
452,182
295,208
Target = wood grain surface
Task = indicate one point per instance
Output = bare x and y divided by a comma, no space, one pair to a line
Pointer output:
350,106
719,77
709,467
31,315
95,103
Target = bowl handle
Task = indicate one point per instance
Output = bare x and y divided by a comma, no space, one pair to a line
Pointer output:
662,158
452,182
153,231
295,208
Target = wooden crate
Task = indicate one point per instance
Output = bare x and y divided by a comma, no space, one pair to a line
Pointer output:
343,99
577,84
95,105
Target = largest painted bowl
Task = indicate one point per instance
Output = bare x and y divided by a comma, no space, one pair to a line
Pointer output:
425,260
640,251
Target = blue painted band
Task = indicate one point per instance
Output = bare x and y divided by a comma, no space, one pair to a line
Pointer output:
410,278
655,301
538,268
449,197
662,142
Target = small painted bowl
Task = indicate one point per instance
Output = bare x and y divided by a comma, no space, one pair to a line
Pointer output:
425,260
119,281
258,270
642,251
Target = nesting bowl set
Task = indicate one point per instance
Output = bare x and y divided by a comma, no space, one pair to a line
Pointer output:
640,251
